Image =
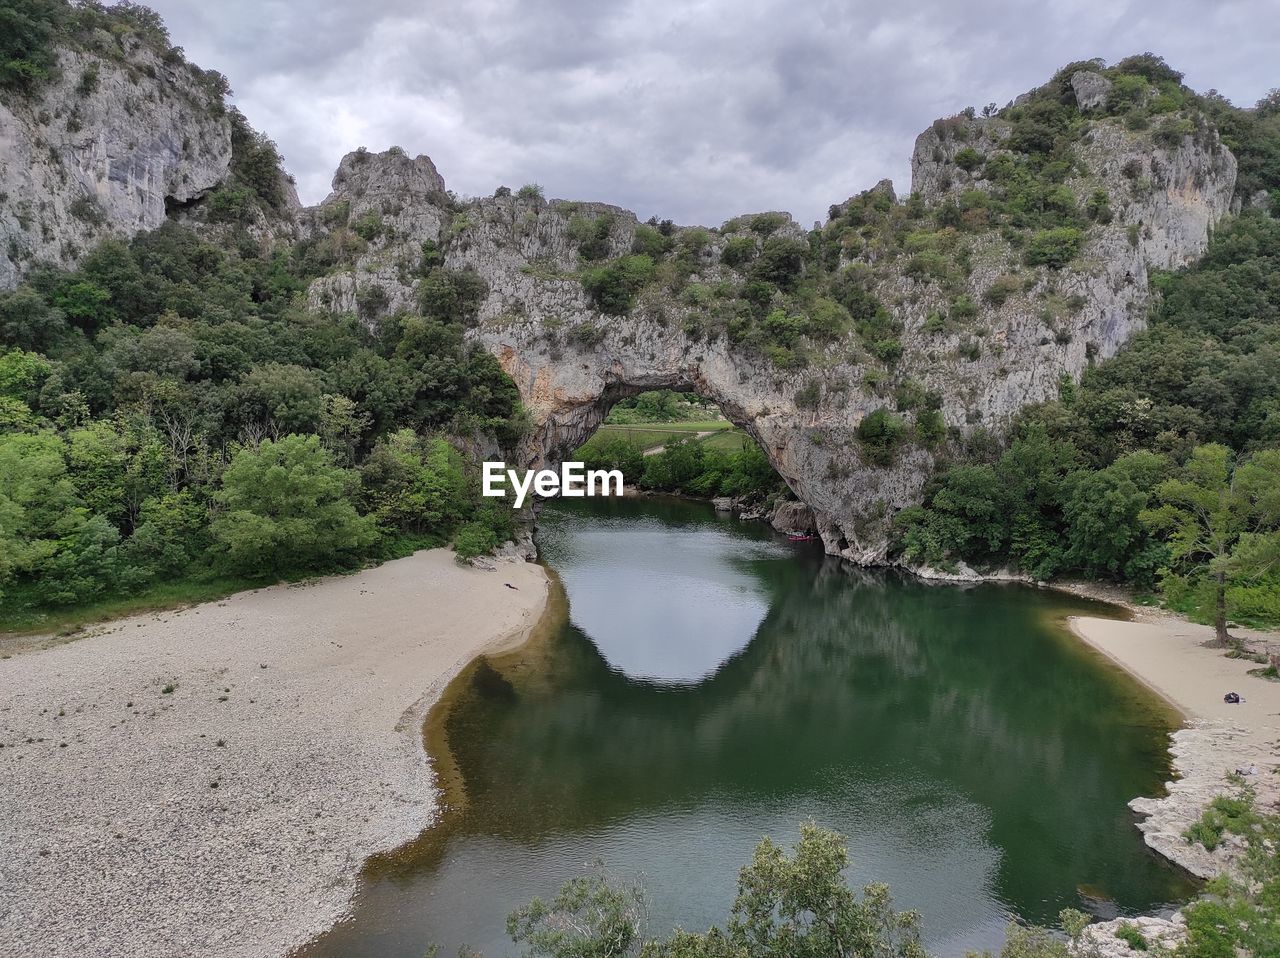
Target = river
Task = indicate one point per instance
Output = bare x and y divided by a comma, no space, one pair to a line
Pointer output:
713,683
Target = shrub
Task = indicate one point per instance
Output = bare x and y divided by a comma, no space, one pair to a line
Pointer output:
530,191
473,540
1054,248
781,262
968,159
1001,289
739,251
591,235
453,295
879,435
1132,936
286,509
651,242
613,287
369,226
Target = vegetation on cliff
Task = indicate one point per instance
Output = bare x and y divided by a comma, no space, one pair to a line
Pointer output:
1159,468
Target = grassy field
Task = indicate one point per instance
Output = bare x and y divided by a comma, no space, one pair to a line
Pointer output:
728,440
724,436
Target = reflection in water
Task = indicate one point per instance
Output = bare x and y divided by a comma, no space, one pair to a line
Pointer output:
715,684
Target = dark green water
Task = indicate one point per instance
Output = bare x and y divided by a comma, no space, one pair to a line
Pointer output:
716,683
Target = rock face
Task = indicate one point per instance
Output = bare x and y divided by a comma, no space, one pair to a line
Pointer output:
119,136
1091,89
572,363
125,134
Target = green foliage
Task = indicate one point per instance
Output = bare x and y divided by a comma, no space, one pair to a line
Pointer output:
1132,936
1054,248
286,508
613,286
786,906
651,242
589,917
1221,519
530,191
473,540
452,295
739,251
968,159
879,435
138,377
28,30
592,235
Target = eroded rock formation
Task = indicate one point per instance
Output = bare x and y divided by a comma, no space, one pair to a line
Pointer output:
571,362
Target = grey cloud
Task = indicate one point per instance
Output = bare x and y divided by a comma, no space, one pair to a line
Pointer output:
693,110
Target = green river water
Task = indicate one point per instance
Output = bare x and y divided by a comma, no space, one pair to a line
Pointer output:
714,683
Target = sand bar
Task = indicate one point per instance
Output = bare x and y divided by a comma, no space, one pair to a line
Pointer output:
208,782
1170,656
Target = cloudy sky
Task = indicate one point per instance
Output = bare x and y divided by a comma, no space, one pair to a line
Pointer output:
692,109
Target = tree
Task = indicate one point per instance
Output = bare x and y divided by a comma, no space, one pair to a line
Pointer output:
590,917
1208,510
27,32
416,485
287,509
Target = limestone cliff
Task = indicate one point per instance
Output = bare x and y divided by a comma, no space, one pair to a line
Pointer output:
118,136
1030,326
980,328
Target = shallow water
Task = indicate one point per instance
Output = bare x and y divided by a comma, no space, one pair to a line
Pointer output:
715,683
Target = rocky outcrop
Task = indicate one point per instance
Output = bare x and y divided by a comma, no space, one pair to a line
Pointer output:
1091,89
119,136
1204,755
1102,940
572,362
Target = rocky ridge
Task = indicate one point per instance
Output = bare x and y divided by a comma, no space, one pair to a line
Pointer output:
571,362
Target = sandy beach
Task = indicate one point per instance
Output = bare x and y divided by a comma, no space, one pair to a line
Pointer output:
208,781
1169,655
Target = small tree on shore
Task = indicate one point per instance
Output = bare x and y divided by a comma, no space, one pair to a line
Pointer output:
1222,516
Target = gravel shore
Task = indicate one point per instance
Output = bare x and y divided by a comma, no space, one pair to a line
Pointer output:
208,781
1170,656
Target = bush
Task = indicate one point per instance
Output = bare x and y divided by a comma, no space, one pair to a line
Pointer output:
1054,248
879,435
968,159
1001,289
530,191
739,251
613,287
452,295
287,509
473,540
28,29
1132,936
781,262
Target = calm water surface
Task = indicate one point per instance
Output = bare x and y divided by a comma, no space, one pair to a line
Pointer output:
715,683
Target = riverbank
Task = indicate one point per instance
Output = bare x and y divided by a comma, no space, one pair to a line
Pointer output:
208,781
1170,656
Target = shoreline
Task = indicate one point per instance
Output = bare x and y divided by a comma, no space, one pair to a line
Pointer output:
214,778
1167,654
